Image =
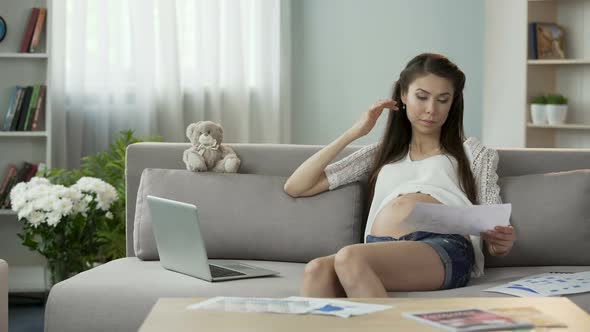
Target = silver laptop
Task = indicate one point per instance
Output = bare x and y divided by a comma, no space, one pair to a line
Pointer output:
181,247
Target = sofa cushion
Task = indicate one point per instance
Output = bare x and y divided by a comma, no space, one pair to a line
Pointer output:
551,216
118,295
249,216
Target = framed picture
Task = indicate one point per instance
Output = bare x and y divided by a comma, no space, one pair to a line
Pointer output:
549,41
2,29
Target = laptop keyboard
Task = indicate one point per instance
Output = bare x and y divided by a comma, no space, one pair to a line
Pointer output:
219,272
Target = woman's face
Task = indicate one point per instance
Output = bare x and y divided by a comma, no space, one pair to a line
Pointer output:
428,102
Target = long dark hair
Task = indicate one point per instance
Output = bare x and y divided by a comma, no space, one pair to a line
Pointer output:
398,134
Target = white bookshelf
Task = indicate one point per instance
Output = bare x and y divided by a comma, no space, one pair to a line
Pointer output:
23,134
27,269
560,62
511,79
566,76
7,212
12,55
561,126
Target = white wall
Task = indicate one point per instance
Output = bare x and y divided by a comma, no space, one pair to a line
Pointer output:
347,54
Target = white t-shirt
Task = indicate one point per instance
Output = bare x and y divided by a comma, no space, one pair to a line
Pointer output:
436,175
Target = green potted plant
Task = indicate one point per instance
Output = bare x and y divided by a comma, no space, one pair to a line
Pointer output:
556,108
538,113
109,166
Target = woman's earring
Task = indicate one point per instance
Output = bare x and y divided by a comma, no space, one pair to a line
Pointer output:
404,107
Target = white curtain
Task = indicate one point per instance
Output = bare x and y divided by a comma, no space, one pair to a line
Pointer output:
156,66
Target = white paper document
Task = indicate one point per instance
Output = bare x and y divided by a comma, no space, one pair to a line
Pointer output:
443,219
254,304
546,284
292,305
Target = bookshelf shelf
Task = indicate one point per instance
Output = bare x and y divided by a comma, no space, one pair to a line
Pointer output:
23,134
24,55
7,212
573,126
560,62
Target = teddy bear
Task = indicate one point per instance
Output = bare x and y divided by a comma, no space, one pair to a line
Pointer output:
207,153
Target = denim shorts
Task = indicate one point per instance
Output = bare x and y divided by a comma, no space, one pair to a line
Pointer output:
455,251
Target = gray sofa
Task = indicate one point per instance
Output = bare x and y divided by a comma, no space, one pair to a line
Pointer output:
247,216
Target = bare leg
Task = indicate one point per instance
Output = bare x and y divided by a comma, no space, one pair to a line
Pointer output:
357,278
370,270
320,279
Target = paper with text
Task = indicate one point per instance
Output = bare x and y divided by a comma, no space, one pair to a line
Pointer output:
443,219
546,284
291,305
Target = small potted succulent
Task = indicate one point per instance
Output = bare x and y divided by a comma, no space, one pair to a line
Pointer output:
538,113
556,108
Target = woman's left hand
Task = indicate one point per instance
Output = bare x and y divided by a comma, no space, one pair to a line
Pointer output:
499,240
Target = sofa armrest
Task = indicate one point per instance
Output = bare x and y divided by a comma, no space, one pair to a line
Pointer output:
3,296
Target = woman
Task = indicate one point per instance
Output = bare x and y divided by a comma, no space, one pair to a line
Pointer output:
423,157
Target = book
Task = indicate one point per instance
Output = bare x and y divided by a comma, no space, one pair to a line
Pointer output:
7,121
472,319
24,171
19,103
12,181
4,114
31,108
549,41
19,118
5,203
533,41
38,30
20,176
26,41
10,173
32,172
36,123
531,315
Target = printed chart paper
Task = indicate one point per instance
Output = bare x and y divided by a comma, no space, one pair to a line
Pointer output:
546,284
292,305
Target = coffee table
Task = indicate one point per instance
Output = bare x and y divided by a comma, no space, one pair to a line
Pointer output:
169,314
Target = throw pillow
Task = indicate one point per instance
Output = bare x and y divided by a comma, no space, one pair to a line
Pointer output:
551,216
249,216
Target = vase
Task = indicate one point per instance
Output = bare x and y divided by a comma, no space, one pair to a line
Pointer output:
538,114
57,271
556,114
61,270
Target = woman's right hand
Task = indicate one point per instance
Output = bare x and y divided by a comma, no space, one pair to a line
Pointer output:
369,118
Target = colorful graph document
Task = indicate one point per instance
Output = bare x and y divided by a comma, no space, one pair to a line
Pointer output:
292,305
341,308
546,284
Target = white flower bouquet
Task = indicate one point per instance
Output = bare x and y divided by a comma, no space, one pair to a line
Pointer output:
63,223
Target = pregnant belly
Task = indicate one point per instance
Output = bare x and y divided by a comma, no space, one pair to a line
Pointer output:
388,221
